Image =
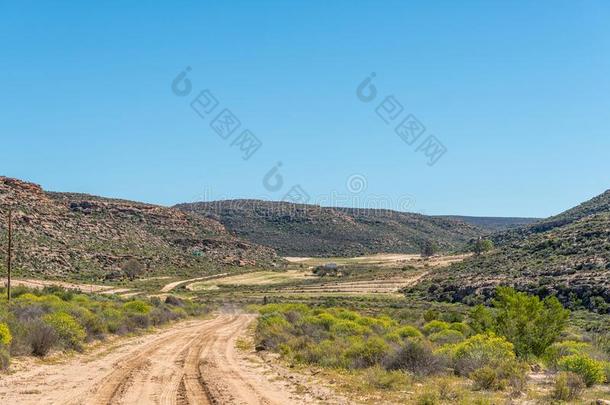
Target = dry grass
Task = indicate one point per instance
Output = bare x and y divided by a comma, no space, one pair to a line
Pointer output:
259,278
381,260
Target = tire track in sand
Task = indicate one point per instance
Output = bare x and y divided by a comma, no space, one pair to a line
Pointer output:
194,362
153,375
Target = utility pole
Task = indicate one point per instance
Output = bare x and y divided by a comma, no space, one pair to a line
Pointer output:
9,254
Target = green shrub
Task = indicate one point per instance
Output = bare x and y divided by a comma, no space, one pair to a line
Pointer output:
379,324
366,353
69,331
138,307
530,324
324,320
270,308
342,313
271,331
435,326
349,328
327,353
591,371
568,387
93,324
481,319
112,318
408,331
481,350
461,327
5,335
415,356
557,350
447,336
487,378
378,378
431,315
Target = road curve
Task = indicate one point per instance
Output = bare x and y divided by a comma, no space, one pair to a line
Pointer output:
194,362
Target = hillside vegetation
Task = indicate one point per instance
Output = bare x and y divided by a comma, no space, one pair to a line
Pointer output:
58,234
308,230
567,255
494,224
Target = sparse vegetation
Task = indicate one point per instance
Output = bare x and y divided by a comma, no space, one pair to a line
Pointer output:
568,387
486,350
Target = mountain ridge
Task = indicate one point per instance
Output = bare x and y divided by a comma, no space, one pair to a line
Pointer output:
311,230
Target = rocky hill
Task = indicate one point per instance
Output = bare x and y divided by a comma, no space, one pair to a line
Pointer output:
310,230
74,234
567,255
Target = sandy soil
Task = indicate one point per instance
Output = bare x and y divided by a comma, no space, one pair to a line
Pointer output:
193,362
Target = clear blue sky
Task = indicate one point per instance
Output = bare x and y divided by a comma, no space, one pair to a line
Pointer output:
518,92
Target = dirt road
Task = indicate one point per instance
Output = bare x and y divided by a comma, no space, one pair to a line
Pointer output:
194,362
172,285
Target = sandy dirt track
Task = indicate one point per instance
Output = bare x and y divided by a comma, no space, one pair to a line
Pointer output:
193,362
172,285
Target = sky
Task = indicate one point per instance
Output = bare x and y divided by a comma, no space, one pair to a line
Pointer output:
511,101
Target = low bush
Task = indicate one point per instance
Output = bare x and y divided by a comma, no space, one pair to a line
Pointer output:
435,327
447,336
415,356
461,327
41,338
272,331
480,351
568,387
487,378
138,307
558,350
175,301
378,378
70,333
591,371
366,353
407,331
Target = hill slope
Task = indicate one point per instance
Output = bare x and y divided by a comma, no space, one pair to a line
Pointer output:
60,233
494,224
568,255
308,230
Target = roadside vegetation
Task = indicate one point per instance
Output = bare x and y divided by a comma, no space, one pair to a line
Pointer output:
36,322
485,355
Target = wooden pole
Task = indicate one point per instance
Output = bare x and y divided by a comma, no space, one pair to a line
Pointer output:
9,254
